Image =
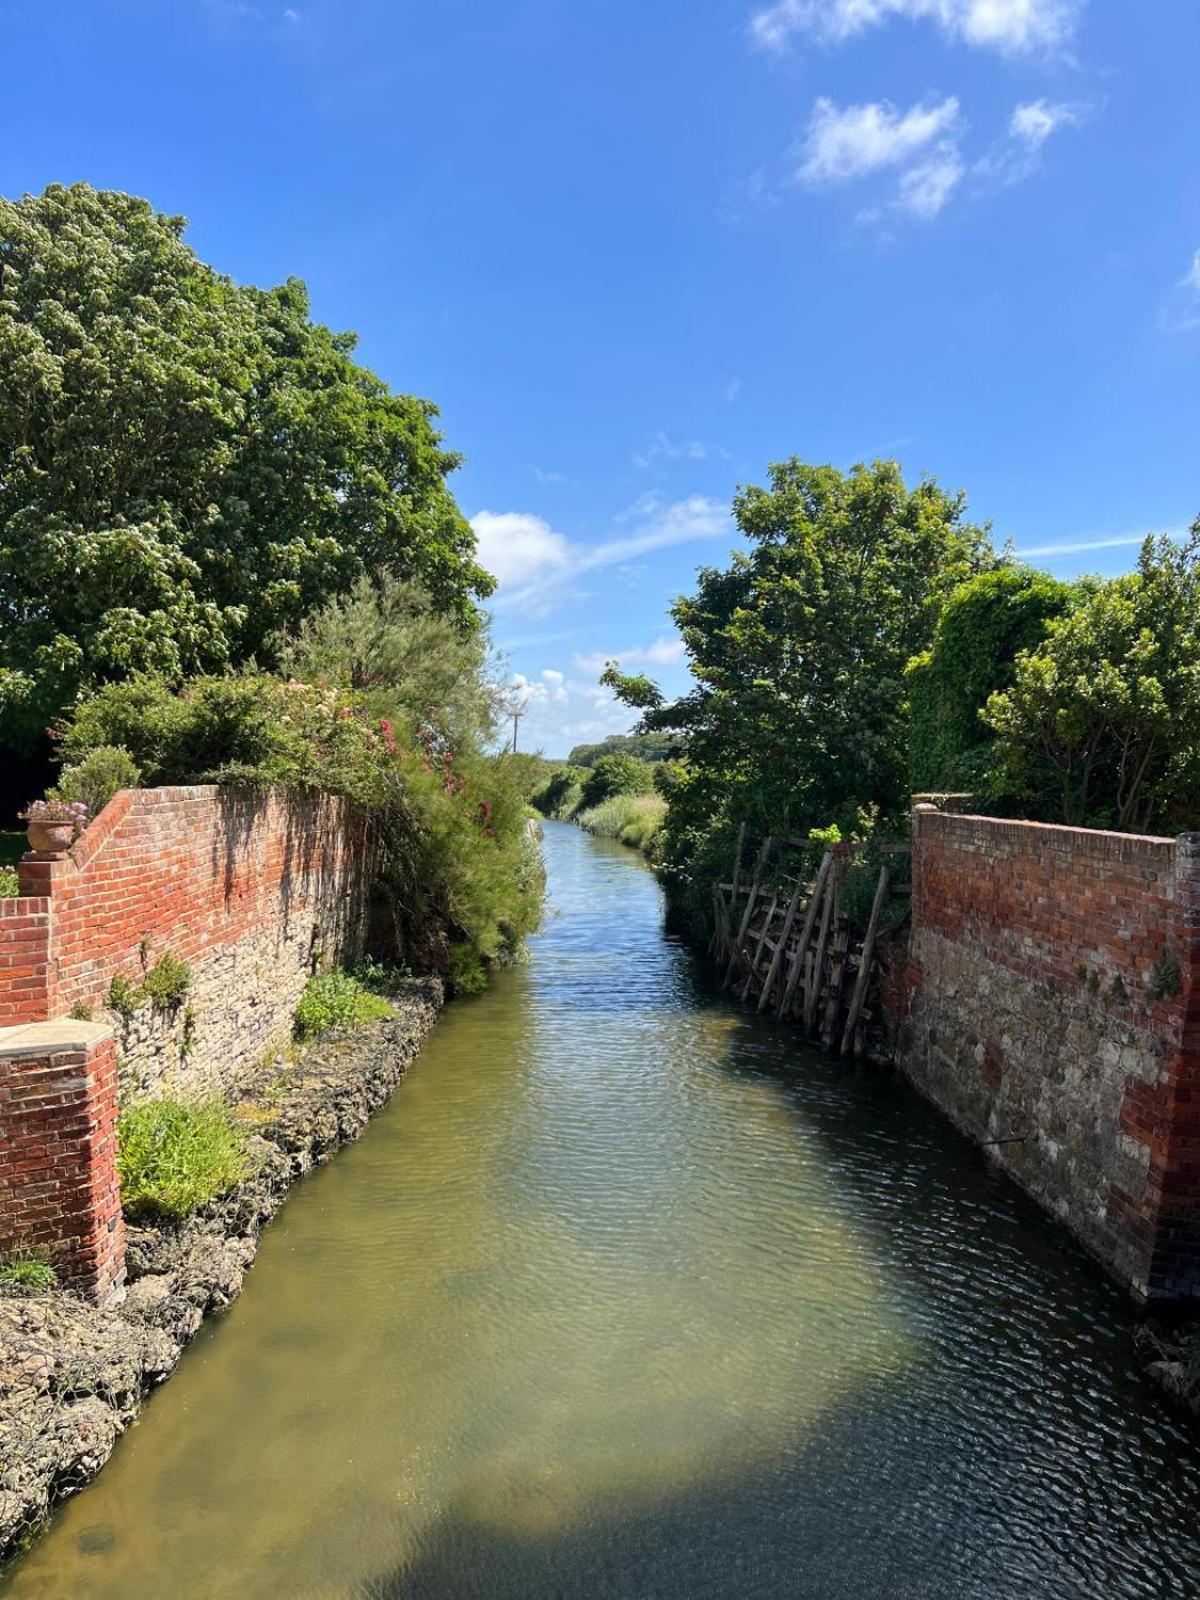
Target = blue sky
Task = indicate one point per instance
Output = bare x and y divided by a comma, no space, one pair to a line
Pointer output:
637,249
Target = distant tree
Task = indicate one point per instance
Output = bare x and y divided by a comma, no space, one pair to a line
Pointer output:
985,625
645,746
613,775
186,465
1101,725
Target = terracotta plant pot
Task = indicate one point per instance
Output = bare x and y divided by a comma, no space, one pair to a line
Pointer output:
50,838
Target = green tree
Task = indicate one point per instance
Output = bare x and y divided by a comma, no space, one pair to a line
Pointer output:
984,627
613,775
798,648
1101,726
186,465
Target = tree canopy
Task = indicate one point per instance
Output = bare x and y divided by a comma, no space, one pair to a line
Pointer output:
187,465
799,648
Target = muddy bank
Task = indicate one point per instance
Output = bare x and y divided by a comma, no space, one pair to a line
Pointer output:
73,1377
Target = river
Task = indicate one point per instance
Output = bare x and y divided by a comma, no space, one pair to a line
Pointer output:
629,1296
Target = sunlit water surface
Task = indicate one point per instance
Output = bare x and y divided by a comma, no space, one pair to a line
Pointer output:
627,1295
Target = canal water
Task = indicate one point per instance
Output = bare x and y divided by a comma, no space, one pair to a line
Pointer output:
628,1296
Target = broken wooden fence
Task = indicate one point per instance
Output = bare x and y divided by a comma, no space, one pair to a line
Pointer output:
786,945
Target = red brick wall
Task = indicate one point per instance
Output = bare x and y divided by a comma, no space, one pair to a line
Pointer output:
253,892
1054,999
59,1193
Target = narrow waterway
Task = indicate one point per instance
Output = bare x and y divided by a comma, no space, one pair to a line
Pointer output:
627,1296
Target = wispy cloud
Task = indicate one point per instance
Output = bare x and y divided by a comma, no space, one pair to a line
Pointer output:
538,568
1182,311
1073,547
551,478
661,448
847,142
663,652
1011,27
1018,155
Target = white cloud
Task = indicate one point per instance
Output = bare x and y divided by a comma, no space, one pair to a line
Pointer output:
560,712
536,566
662,653
1012,27
925,188
1034,122
849,142
517,548
1192,278
1018,155
1072,547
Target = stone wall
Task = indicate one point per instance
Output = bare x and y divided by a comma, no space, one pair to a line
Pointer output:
254,893
1053,1010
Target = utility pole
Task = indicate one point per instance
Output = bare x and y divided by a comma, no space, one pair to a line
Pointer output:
518,709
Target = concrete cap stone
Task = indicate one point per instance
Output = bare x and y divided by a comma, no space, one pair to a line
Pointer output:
50,1038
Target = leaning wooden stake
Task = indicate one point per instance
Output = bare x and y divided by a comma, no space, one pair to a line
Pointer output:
768,988
864,971
812,992
735,955
814,906
737,866
763,932
833,986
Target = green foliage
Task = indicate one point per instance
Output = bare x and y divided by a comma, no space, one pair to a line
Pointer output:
644,746
167,981
1101,726
798,649
337,1000
613,775
10,883
123,997
174,1157
984,627
634,819
561,794
667,777
467,974
80,1012
102,773
187,465
24,1268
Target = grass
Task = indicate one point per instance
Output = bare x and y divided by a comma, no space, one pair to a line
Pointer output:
634,819
337,1000
175,1156
26,1269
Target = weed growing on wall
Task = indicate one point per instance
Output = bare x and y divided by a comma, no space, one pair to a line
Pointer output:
167,981
174,1157
10,884
337,1000
23,1268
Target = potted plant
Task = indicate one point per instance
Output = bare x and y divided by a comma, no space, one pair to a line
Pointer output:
52,826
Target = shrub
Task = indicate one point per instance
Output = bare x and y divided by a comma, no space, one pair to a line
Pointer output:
102,773
1101,725
174,1157
337,1000
613,775
560,795
985,625
667,776
167,981
10,883
467,975
122,997
23,1268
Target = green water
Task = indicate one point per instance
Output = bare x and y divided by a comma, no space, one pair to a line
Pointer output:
627,1295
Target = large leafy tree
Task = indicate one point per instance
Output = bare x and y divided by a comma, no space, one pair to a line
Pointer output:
187,465
798,649
1101,725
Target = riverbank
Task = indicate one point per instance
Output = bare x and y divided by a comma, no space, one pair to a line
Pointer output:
73,1377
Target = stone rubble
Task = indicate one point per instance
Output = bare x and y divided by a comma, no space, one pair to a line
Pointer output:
74,1376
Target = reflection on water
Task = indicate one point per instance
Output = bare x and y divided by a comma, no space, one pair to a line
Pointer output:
624,1296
